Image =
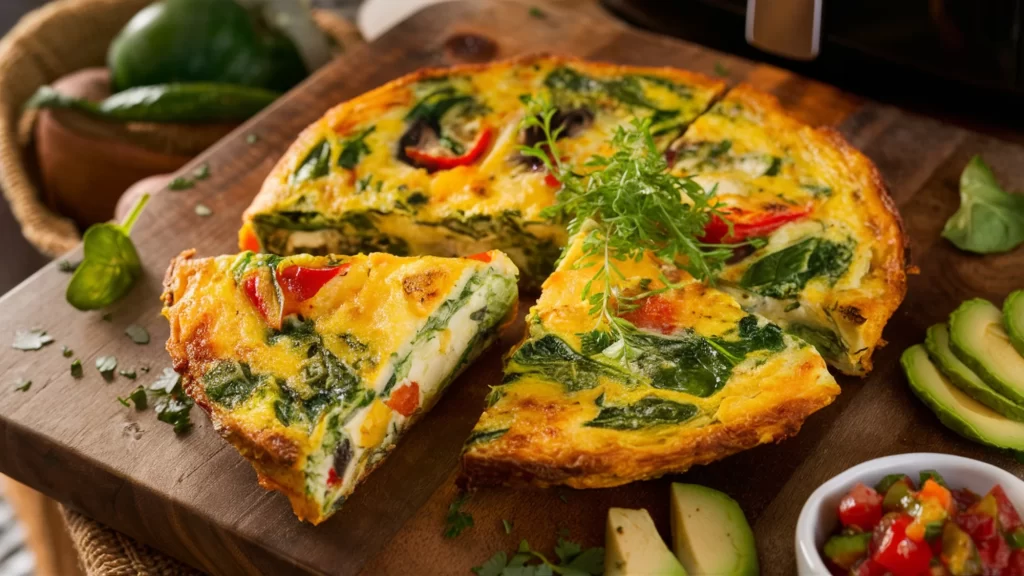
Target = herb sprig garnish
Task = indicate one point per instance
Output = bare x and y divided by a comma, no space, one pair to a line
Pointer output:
626,204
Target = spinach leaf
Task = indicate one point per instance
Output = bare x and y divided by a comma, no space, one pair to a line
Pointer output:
315,165
229,383
990,220
752,338
824,340
485,436
111,265
353,148
552,358
648,412
784,274
436,104
595,342
685,364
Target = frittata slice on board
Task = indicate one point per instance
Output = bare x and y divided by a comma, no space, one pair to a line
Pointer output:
695,379
429,163
313,367
832,271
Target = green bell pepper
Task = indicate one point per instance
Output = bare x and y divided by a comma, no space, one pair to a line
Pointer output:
180,41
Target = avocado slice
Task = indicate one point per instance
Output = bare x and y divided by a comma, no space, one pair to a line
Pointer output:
1013,317
710,535
977,337
958,411
633,546
963,378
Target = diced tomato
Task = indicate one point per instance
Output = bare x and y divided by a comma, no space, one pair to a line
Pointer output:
995,554
1016,565
1009,520
405,400
434,163
979,526
483,257
552,181
964,498
261,289
868,567
750,224
861,507
300,283
654,313
895,551
332,478
247,239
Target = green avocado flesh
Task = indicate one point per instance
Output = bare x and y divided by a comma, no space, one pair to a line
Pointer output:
979,340
710,534
958,411
633,546
963,378
1013,317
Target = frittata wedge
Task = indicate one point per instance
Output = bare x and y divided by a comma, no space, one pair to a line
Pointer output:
313,367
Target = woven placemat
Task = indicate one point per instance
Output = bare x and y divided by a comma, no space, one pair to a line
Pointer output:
106,552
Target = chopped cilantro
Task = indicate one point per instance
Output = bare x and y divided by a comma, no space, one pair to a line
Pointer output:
457,521
138,397
22,385
106,365
129,374
181,183
537,13
572,560
31,339
170,402
721,70
76,368
507,525
138,334
67,352
203,210
202,172
67,266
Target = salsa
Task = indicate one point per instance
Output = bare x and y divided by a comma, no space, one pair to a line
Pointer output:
899,528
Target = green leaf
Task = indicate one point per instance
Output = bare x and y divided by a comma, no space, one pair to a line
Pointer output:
721,70
536,12
180,183
552,358
353,148
645,413
22,385
67,266
33,339
111,265
989,220
76,369
315,165
493,566
67,352
566,550
171,404
167,382
932,475
137,397
507,525
202,172
106,365
129,374
203,210
137,333
785,273
230,383
590,561
456,521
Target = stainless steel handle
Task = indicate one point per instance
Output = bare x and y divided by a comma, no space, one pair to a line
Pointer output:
788,28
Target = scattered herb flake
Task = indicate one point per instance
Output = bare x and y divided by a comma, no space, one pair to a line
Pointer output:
31,339
251,138
791,306
721,70
537,13
67,352
457,521
528,562
138,334
170,402
202,172
181,183
561,496
144,369
507,525
76,368
22,385
106,365
107,317
129,374
166,382
138,397
67,266
203,210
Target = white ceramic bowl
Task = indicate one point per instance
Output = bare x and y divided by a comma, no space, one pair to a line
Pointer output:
819,516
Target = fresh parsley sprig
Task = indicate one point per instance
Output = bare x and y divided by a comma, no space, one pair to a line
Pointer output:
626,205
572,561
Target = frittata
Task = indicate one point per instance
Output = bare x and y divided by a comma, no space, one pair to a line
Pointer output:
691,379
832,268
314,366
429,163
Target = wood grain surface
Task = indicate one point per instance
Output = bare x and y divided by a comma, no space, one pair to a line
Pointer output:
197,499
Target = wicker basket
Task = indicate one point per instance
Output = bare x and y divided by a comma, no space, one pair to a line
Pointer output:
57,39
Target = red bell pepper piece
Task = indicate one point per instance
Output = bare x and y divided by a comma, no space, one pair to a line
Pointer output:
332,478
1016,566
300,283
896,552
484,257
995,555
405,400
247,239
979,527
261,289
654,313
552,181
434,163
749,224
868,567
861,507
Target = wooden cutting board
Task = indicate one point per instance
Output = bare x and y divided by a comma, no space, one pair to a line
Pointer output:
196,499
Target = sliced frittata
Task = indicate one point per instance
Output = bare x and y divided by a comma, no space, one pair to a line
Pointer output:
430,164
832,268
313,367
689,378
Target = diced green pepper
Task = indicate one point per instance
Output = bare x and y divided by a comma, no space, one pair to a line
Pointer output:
932,475
898,498
887,482
958,551
844,550
1016,538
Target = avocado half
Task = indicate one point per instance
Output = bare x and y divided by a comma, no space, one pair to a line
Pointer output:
937,343
710,534
958,411
633,546
978,338
1013,317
